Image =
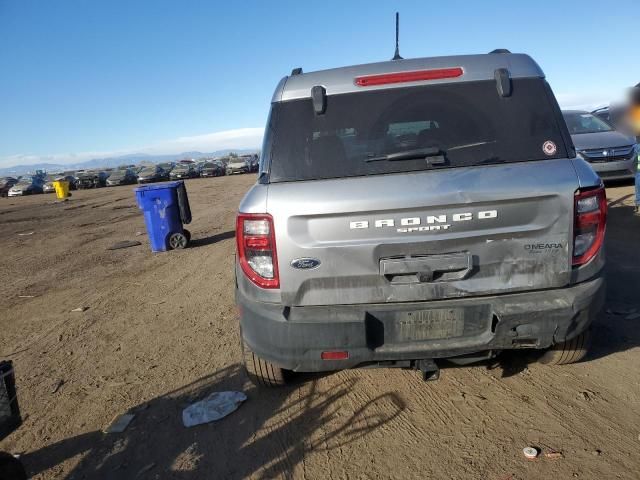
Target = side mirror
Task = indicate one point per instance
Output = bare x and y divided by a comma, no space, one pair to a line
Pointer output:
503,82
319,99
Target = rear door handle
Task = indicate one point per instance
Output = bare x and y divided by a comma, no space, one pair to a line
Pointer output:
427,268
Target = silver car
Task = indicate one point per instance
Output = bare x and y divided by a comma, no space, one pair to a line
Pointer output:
416,210
612,154
237,165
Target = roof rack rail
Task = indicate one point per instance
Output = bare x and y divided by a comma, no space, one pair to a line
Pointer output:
500,50
296,71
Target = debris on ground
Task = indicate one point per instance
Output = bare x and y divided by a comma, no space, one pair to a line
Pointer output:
597,452
124,244
139,233
145,469
57,386
25,234
554,455
216,406
587,395
530,453
80,309
26,296
119,423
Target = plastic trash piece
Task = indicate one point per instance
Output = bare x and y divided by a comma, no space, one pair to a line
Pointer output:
216,406
530,452
120,423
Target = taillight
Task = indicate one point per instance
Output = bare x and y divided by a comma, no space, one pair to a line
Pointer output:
256,243
590,216
413,76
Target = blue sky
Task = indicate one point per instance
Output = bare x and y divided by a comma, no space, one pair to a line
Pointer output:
91,78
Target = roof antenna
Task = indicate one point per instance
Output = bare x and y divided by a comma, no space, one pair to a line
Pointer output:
397,56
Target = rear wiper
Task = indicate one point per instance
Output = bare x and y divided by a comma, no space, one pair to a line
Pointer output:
432,155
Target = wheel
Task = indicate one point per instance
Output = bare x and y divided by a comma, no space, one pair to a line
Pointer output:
571,351
261,372
188,234
178,240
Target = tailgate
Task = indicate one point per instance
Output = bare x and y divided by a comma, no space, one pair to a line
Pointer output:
425,236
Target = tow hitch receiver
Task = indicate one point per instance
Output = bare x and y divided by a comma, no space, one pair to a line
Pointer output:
429,369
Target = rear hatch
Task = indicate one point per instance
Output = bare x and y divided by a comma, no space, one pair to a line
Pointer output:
421,193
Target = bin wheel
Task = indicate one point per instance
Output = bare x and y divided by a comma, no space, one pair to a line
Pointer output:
188,234
178,240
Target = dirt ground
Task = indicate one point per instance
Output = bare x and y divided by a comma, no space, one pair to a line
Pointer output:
160,332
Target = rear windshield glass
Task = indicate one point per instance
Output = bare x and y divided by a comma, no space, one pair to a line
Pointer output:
452,125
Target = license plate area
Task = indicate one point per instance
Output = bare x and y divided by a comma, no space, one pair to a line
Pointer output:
433,324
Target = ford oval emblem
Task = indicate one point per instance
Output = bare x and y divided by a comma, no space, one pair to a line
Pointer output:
305,263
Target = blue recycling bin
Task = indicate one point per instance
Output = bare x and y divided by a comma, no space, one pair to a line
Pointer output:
166,209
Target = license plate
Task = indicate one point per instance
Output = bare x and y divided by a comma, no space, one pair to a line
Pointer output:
432,324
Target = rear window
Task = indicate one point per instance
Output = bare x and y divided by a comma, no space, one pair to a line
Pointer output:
467,123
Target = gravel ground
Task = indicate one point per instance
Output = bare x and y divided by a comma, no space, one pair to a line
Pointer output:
160,332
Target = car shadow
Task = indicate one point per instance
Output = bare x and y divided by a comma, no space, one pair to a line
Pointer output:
218,237
267,437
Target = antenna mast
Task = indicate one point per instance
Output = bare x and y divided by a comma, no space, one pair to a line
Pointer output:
397,56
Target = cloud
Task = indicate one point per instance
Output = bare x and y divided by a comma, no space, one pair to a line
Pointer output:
240,138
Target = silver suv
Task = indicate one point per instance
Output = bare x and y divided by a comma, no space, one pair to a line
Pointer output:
416,210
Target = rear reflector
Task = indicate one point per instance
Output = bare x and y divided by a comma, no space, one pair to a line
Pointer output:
403,77
334,355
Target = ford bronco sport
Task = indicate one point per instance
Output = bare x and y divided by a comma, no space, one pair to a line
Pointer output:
415,210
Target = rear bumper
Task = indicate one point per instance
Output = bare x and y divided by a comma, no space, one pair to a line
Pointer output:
294,338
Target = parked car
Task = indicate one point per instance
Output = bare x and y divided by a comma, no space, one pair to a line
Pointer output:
612,154
48,186
154,173
26,186
417,210
212,169
252,162
92,179
237,165
167,167
122,177
5,184
183,171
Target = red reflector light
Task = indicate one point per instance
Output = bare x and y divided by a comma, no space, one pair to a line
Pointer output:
257,243
414,76
332,355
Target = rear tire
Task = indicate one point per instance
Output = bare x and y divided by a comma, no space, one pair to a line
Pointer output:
261,372
571,351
